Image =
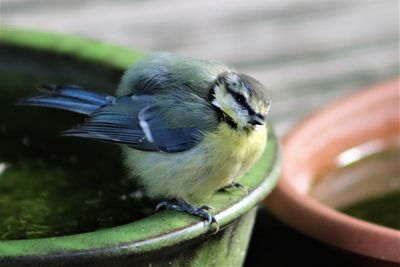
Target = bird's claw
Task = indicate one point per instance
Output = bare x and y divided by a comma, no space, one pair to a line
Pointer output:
208,208
181,205
214,221
235,186
161,205
210,220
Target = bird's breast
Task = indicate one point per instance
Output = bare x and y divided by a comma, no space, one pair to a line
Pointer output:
219,159
233,152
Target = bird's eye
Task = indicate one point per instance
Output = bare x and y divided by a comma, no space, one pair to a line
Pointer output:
240,98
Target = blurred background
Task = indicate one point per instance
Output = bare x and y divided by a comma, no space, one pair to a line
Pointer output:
308,53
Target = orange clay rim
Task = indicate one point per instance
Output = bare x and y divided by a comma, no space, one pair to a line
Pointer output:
377,111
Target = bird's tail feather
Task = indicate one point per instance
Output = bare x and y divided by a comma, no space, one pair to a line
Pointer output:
68,97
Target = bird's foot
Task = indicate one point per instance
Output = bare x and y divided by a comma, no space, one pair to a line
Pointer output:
235,186
181,205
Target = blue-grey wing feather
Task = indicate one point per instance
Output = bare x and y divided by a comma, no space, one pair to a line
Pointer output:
137,121
68,97
167,138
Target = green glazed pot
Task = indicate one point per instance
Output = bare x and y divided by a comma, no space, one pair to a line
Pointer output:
163,239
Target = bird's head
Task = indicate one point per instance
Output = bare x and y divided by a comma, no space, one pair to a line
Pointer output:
241,100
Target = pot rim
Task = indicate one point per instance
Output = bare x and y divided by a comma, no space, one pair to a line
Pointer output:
321,222
162,230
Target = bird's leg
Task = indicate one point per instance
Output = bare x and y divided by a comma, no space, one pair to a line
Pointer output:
179,204
234,186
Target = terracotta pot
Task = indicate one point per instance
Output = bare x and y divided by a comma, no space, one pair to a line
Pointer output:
312,147
165,238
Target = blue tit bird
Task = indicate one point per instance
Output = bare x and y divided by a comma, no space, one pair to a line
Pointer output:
187,127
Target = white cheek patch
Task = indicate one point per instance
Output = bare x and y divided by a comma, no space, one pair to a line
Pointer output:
241,114
219,98
228,104
223,101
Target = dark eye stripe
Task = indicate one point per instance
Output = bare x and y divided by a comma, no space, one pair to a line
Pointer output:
242,101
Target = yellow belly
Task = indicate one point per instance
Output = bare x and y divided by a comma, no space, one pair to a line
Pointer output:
222,157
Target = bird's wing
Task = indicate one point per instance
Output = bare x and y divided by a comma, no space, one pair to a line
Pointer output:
137,121
159,131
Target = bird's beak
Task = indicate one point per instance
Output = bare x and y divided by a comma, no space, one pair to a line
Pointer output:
257,119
